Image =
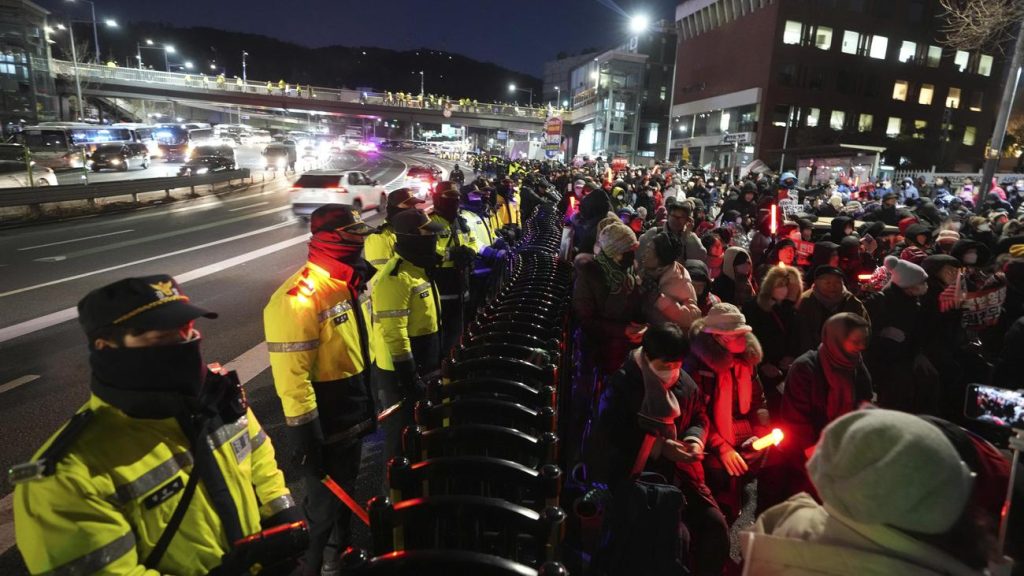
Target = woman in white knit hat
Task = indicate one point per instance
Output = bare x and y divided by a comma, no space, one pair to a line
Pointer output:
896,502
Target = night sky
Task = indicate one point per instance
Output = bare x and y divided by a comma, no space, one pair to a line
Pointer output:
520,35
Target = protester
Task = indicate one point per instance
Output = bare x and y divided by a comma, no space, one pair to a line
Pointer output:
735,284
827,297
772,316
724,354
669,294
701,280
895,494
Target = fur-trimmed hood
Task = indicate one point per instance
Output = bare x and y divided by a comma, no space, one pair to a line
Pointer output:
706,349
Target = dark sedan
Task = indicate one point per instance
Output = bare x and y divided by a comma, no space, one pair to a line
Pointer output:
120,156
204,164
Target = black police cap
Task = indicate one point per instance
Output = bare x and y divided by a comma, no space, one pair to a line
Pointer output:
413,221
145,303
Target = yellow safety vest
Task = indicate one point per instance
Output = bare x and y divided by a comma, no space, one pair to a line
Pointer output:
119,481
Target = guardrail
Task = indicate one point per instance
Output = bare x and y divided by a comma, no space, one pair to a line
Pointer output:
12,197
206,84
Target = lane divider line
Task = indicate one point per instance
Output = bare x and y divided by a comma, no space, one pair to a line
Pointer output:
77,239
18,382
249,206
144,260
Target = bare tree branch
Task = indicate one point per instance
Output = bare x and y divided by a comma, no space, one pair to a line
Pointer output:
980,24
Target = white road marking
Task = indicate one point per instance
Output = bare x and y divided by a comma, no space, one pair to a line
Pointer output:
144,260
36,324
251,363
6,523
77,239
51,259
18,382
249,206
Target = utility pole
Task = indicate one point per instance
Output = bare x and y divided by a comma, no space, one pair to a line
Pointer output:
74,61
422,93
95,34
995,151
244,77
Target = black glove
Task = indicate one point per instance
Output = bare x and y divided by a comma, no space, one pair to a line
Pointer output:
408,380
463,256
308,455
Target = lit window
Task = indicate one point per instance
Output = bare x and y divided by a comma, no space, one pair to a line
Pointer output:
791,33
970,133
723,124
837,120
850,41
652,134
985,65
926,95
812,117
953,98
961,60
823,38
976,97
879,44
865,123
892,130
907,51
934,56
899,90
919,127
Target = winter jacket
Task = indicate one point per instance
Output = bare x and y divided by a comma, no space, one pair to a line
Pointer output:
811,315
603,316
801,538
705,362
890,215
905,378
690,246
725,285
619,432
838,228
673,299
775,329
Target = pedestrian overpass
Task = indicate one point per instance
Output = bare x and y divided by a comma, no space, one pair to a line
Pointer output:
151,85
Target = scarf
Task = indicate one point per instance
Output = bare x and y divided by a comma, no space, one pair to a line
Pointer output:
838,366
734,376
660,407
828,303
617,280
342,260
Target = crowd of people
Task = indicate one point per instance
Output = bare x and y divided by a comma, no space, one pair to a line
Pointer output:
709,314
705,317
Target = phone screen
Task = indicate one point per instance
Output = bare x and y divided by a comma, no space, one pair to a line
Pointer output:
995,406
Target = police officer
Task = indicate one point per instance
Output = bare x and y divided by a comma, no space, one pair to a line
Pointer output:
457,248
318,326
380,246
405,310
115,491
457,176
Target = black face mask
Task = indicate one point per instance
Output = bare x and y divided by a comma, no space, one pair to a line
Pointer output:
448,208
176,368
418,249
627,260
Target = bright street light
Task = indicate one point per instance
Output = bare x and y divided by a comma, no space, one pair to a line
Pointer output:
169,48
149,42
511,87
188,65
639,23
110,22
61,27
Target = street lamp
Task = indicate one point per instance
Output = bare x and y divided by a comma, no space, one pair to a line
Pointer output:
639,23
188,65
74,63
422,92
95,32
512,88
150,45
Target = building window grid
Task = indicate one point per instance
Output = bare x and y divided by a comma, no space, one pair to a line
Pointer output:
926,94
865,123
900,89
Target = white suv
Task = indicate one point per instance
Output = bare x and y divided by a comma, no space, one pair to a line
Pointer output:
349,187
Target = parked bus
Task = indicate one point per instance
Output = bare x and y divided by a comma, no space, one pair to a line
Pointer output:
64,145
144,133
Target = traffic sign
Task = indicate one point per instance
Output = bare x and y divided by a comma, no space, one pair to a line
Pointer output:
737,138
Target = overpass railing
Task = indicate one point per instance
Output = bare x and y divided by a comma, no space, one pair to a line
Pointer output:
210,85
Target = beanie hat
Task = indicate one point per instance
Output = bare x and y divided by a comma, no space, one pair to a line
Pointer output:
698,271
905,274
905,223
724,318
946,237
892,468
616,239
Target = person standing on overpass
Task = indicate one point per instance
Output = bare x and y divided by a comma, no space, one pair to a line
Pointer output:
317,326
103,495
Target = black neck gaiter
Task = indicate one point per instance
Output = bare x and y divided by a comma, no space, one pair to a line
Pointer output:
418,249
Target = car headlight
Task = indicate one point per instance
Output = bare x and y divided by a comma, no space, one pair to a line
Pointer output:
115,161
202,170
280,162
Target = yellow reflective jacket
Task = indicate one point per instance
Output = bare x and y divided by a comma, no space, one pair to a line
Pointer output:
404,306
481,229
507,212
446,240
317,347
379,247
115,487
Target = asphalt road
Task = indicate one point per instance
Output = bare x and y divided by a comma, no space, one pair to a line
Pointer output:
246,156
230,251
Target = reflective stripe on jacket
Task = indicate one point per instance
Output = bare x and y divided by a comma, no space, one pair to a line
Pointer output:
404,306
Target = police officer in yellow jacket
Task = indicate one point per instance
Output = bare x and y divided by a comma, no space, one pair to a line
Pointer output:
506,204
457,247
317,326
405,310
380,246
117,490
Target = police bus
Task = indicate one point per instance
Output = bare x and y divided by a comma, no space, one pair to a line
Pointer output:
65,145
